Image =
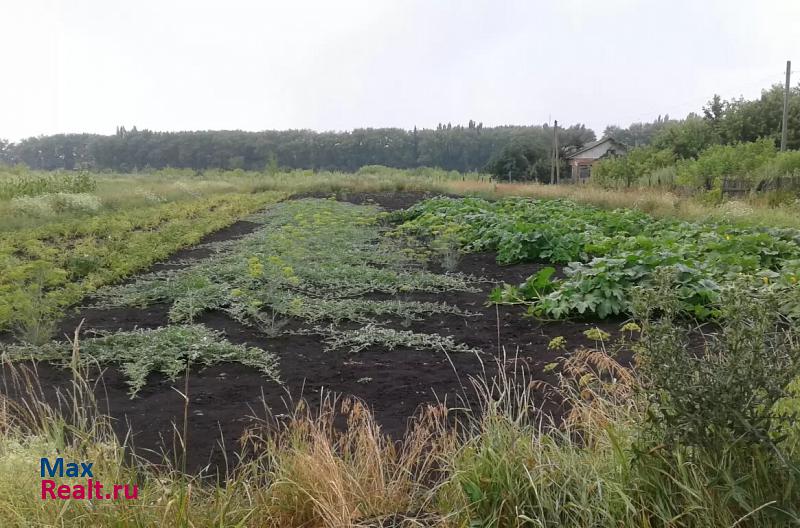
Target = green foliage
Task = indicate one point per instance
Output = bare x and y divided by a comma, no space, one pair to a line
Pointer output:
535,287
460,148
666,177
686,139
312,260
782,165
519,161
724,393
34,316
47,205
722,122
761,118
734,139
528,156
609,253
705,170
169,351
700,436
624,171
85,253
15,184
720,161
372,335
637,134
787,414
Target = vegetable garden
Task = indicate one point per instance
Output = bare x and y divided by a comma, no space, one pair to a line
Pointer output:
609,254
486,334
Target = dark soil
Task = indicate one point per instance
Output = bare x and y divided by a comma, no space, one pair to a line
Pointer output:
225,399
202,250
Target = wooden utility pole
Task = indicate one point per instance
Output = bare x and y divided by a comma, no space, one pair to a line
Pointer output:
784,131
554,171
555,153
552,165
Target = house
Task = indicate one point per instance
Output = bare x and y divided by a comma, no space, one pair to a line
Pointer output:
581,160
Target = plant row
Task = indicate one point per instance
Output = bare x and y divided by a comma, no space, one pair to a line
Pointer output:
46,268
607,254
311,261
33,184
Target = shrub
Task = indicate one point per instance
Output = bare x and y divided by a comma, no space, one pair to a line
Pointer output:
720,393
33,316
76,202
38,206
740,160
624,171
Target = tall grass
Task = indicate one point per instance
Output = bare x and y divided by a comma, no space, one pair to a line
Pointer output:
117,192
655,201
504,464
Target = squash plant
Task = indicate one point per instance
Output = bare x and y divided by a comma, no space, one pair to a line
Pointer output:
608,254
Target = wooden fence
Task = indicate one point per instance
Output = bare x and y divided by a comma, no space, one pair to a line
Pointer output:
738,187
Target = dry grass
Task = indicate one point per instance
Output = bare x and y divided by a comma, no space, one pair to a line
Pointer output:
121,191
331,466
334,467
323,466
654,201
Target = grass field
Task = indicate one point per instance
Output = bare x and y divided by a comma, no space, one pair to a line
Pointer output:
317,349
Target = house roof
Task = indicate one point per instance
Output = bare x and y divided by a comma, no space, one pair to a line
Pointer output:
593,144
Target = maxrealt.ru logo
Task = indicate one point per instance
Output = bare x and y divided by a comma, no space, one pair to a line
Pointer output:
88,489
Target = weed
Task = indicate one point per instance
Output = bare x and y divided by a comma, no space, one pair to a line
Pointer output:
372,335
169,350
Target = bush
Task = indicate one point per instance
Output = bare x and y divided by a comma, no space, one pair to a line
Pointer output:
75,202
780,177
720,393
740,160
624,171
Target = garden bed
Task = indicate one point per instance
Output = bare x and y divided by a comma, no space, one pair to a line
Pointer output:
225,398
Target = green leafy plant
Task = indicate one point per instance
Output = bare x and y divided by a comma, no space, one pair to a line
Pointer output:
311,260
725,392
34,319
373,335
84,254
169,351
610,253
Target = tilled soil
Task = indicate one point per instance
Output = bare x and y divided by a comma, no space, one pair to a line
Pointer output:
225,399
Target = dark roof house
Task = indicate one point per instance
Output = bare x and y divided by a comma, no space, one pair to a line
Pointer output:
581,160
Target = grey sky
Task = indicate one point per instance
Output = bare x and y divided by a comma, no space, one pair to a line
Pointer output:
75,66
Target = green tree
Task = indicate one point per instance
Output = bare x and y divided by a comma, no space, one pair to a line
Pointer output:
686,138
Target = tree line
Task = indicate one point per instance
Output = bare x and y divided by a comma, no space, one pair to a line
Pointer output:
513,152
520,152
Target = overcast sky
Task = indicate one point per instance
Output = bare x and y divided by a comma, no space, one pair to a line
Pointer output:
90,65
